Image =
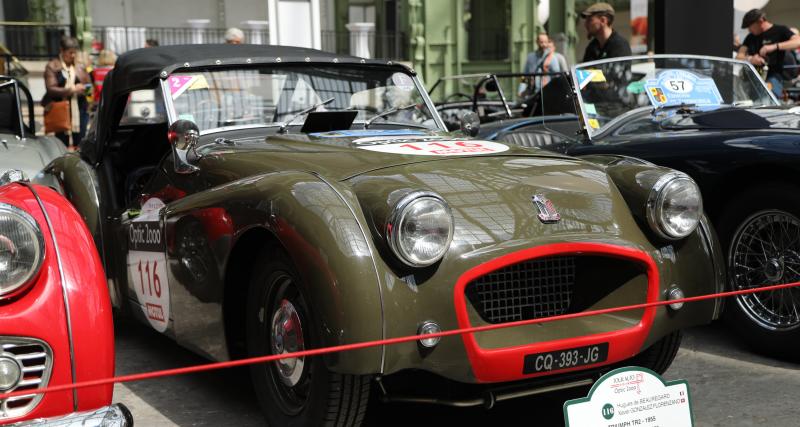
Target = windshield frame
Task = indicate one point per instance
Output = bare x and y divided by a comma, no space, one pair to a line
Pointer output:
590,133
171,113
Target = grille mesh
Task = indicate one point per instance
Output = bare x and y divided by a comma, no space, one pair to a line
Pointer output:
526,290
36,360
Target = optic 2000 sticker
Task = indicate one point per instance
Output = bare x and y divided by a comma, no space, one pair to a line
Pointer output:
147,264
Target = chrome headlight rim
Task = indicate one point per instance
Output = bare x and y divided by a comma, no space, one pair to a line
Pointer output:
7,292
655,202
397,216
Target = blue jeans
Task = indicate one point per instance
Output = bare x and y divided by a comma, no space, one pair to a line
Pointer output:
776,82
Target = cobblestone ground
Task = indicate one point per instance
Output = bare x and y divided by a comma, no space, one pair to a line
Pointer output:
730,386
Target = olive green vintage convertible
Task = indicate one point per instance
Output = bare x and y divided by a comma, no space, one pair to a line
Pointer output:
252,200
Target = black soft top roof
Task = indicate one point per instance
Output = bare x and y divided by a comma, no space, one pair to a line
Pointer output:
139,68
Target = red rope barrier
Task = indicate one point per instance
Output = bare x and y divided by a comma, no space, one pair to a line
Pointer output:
387,341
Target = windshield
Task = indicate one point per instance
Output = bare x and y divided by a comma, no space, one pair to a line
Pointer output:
271,96
609,89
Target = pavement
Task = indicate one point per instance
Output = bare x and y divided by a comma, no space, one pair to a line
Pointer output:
729,384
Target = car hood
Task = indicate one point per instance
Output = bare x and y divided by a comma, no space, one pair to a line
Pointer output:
342,155
492,200
26,155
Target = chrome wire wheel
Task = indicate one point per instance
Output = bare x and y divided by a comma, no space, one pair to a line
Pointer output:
765,250
291,378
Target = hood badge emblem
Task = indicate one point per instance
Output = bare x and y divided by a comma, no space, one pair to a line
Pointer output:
547,212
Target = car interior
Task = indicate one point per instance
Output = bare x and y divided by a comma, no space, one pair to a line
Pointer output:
546,133
137,146
9,115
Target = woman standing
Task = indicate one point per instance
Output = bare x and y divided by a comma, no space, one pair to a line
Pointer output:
65,102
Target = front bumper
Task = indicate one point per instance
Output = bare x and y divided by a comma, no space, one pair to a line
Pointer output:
116,415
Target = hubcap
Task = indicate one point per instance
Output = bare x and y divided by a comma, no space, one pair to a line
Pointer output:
773,269
766,251
287,337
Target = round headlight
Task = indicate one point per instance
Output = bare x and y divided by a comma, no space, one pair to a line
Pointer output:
10,373
21,248
675,206
420,229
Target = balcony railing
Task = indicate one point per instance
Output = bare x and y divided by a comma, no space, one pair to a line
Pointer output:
122,39
32,40
41,40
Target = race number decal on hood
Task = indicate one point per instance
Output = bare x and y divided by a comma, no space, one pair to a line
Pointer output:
429,146
147,264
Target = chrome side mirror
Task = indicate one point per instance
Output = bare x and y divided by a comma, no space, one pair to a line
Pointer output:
183,136
470,123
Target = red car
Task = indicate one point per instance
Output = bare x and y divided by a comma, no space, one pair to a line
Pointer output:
55,313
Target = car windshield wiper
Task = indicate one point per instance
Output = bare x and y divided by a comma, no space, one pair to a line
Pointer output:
287,123
685,108
386,113
748,104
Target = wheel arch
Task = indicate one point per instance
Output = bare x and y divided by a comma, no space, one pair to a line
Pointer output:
740,180
238,271
324,237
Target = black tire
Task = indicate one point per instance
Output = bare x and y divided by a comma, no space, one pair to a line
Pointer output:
319,397
659,356
754,317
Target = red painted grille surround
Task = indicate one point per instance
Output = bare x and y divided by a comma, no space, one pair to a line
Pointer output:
506,364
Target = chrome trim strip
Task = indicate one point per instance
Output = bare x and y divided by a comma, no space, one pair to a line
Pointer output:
116,415
19,109
63,291
239,127
428,103
166,95
372,258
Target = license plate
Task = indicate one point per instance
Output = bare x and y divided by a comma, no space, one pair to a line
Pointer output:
564,359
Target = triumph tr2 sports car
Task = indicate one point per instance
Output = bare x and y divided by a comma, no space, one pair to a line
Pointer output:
55,313
276,199
715,120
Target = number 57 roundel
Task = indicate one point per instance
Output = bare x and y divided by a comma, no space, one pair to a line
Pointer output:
147,264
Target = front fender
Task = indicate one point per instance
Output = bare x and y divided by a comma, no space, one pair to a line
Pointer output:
80,183
77,181
696,262
320,228
89,304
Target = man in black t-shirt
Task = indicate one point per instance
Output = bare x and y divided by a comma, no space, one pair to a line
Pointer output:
606,43
767,45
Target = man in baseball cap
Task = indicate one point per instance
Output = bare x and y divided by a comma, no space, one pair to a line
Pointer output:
606,43
767,44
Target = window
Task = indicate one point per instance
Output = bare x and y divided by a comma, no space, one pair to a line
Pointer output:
144,107
487,29
270,96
